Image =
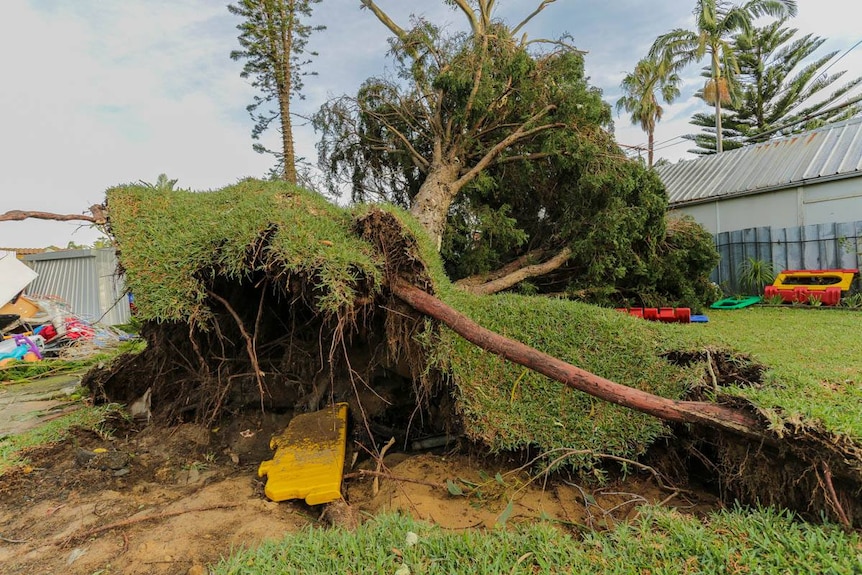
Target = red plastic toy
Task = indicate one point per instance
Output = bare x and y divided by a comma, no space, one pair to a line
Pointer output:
664,314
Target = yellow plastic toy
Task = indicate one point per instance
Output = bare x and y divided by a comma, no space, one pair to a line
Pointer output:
815,280
309,457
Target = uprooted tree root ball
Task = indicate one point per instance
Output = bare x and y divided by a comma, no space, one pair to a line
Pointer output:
264,297
266,348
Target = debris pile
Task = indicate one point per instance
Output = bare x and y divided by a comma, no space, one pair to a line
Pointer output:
36,327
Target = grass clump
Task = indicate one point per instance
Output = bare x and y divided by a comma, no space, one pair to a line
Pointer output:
507,406
658,541
171,241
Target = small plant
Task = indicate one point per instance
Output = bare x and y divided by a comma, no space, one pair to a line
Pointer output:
853,301
814,301
754,275
773,300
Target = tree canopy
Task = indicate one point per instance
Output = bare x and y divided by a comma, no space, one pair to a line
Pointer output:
500,148
784,86
640,88
716,22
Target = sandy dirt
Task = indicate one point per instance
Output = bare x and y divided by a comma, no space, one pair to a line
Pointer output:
174,500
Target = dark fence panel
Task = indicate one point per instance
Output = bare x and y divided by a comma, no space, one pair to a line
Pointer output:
820,246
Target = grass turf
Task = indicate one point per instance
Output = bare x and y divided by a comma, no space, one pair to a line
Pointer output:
659,541
812,358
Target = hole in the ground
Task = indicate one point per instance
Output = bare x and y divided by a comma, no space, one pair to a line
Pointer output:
728,369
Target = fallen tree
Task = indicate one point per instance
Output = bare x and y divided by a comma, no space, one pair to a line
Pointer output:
265,296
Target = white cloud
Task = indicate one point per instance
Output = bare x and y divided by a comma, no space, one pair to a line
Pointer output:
101,93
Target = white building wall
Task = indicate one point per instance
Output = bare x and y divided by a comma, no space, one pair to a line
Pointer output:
827,202
838,201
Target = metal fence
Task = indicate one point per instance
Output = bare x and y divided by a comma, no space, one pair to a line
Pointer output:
819,246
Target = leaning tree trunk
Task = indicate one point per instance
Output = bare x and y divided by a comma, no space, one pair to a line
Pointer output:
435,196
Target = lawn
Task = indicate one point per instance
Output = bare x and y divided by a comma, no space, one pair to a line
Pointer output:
813,358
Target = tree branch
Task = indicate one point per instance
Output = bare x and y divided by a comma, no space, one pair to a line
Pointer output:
519,275
531,16
20,215
516,136
417,157
471,16
516,264
385,19
525,157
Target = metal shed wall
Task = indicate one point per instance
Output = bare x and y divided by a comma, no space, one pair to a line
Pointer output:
86,279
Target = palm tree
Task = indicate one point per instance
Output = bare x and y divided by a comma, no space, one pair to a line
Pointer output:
716,21
639,97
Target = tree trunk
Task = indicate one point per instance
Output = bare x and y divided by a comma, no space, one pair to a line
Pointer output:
284,91
431,204
699,412
719,147
650,144
516,275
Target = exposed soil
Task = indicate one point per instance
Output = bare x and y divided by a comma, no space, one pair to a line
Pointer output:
172,500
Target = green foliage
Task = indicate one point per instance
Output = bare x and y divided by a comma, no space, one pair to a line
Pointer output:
781,81
459,94
162,184
640,88
853,301
716,21
170,243
476,239
658,541
273,39
755,274
560,182
685,258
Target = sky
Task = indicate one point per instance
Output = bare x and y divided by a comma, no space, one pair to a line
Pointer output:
97,93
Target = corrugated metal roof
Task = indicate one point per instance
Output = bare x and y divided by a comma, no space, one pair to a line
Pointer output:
830,152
